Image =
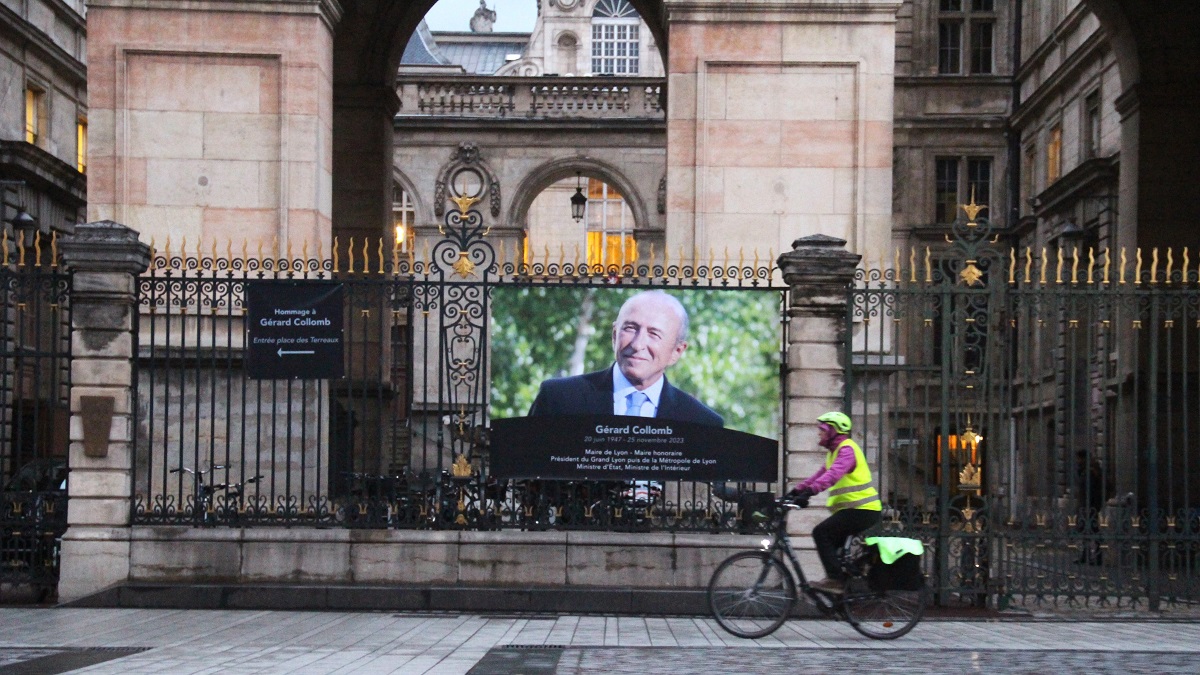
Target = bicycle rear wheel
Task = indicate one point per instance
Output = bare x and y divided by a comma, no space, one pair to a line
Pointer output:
882,615
751,594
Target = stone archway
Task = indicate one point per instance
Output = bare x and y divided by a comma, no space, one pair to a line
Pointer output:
367,45
1155,45
553,171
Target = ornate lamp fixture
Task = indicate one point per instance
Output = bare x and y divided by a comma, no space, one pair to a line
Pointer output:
578,200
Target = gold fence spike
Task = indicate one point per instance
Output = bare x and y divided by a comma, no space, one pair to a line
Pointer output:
54,248
741,257
575,263
167,248
912,264
1137,270
546,256
4,246
666,259
304,250
726,261
1028,263
1045,263
1091,264
651,266
1184,272
1012,265
20,237
896,264
335,254
379,250
37,248
229,248
1059,267
711,257
755,259
635,250
259,254
1170,262
682,260
928,267
425,257
275,247
562,254
770,261
350,256
1154,265
1075,265
1107,264
366,268
288,255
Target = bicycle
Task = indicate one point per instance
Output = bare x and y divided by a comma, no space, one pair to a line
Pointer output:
204,510
752,593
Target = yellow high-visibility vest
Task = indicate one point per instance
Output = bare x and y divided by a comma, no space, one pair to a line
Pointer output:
854,490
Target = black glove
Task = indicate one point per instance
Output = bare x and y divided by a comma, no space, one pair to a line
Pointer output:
799,496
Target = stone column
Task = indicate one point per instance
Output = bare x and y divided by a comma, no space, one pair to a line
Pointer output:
818,270
106,258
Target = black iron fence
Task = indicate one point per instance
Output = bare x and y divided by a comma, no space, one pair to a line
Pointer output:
432,341
1032,413
35,349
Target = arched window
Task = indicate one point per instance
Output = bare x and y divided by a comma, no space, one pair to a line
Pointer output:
568,49
615,38
403,216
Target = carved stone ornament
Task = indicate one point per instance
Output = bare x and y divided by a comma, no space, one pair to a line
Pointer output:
467,153
439,198
662,195
494,189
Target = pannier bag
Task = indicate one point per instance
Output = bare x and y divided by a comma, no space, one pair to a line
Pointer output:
896,564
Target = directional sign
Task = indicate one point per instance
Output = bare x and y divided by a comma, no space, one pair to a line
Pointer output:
294,330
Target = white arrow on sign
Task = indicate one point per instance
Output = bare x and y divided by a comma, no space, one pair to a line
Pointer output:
282,352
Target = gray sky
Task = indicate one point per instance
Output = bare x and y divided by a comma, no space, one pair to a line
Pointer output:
511,15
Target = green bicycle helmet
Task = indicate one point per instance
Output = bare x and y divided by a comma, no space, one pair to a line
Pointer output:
836,420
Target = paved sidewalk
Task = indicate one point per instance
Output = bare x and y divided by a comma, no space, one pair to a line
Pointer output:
191,642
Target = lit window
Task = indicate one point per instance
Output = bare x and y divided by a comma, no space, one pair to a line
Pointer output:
34,102
403,217
1054,155
81,144
615,38
610,238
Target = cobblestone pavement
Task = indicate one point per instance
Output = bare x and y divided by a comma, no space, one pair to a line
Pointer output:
194,642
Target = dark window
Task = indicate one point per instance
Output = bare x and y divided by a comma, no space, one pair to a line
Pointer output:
949,47
981,48
966,37
946,190
1091,122
979,180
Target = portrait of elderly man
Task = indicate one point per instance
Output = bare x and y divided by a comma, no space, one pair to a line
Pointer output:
648,337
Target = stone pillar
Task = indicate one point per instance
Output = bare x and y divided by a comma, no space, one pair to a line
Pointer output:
211,120
780,122
363,141
106,258
818,271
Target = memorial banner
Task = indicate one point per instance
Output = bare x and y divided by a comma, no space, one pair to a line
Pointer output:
603,447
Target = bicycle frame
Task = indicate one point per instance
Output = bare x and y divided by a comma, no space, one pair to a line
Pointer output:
827,603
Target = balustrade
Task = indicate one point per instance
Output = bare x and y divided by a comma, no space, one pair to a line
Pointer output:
529,97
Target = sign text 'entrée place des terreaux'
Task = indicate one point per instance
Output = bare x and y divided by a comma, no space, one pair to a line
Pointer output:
294,330
592,447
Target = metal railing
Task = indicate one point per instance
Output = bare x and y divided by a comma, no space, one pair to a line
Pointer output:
1031,413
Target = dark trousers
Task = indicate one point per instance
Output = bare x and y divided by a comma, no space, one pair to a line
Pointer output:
830,536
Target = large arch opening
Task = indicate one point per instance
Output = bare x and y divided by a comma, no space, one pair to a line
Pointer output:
368,44
1159,60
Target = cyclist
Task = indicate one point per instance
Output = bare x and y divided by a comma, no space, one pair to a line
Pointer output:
852,499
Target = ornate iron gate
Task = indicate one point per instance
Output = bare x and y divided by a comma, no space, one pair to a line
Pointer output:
35,348
1032,416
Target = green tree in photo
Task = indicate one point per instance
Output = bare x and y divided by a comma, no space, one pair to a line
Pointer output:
731,364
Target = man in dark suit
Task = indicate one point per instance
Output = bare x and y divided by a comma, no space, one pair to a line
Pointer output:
649,336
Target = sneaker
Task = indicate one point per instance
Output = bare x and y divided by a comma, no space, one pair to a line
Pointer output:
829,586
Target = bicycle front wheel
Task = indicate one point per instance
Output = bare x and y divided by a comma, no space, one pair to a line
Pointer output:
882,615
751,594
